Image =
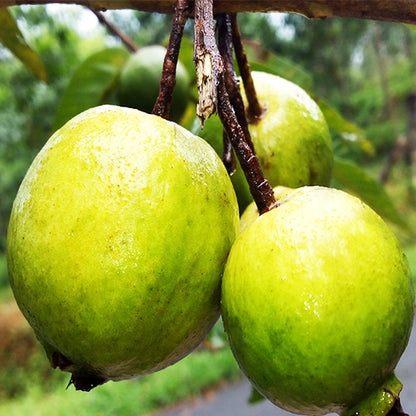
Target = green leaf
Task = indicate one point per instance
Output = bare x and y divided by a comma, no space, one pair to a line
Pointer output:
355,180
255,396
347,131
12,38
91,84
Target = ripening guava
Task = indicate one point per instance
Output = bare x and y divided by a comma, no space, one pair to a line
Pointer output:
117,241
291,140
318,304
139,82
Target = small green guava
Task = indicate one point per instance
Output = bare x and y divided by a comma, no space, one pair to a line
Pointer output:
318,304
291,140
139,82
117,241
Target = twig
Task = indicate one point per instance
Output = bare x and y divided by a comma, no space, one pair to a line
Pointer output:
225,45
116,31
255,110
168,78
207,51
260,187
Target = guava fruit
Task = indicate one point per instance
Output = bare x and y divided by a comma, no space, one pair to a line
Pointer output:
117,241
318,304
139,82
291,140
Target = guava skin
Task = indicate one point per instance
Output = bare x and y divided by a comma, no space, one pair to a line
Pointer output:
140,82
317,302
117,241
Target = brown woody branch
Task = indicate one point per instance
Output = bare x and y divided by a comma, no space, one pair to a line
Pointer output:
255,110
168,79
207,54
403,11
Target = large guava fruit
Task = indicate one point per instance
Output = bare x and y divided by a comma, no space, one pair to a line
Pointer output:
318,304
117,241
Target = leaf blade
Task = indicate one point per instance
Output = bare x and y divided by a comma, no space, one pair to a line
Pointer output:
12,38
91,84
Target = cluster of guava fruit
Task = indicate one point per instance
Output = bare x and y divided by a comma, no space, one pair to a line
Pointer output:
125,243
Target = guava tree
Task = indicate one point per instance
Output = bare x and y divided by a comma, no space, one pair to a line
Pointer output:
218,93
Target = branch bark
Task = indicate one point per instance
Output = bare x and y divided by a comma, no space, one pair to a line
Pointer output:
168,79
392,11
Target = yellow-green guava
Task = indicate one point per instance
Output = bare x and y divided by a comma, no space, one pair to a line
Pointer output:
291,140
318,304
117,241
139,82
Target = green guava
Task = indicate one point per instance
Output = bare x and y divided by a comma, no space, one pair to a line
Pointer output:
318,304
291,140
139,82
117,241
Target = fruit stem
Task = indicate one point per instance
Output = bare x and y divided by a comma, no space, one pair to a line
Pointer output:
255,110
168,79
214,96
260,187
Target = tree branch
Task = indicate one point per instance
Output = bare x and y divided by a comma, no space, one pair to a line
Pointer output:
403,11
255,110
